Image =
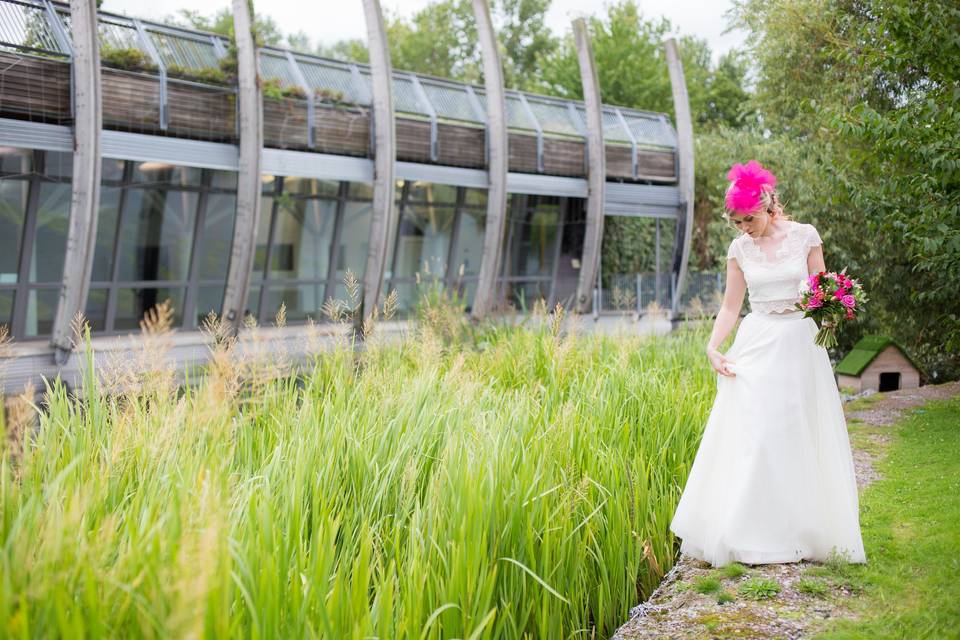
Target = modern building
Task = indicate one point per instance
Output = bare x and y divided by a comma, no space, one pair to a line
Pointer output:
166,210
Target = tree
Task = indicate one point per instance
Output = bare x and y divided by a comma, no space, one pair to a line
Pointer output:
873,88
221,22
632,68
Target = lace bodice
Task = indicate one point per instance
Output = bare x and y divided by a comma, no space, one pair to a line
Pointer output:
773,281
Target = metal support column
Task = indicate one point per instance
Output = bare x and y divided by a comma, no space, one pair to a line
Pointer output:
633,141
596,169
311,106
250,119
147,45
681,105
486,291
431,112
384,166
537,128
85,188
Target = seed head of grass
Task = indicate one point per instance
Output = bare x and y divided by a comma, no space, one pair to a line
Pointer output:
759,588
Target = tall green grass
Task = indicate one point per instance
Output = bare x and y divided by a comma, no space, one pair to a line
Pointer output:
518,486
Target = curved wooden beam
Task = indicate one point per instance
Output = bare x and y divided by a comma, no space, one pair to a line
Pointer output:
248,176
384,162
681,106
596,167
85,189
497,150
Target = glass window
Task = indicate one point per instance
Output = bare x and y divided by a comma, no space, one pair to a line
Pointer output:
96,310
430,192
106,230
354,239
41,307
310,187
475,197
522,296
302,238
6,306
164,173
209,298
267,183
16,161
133,303
213,253
263,236
111,170
469,245
156,235
50,239
533,237
58,164
13,207
301,300
361,191
223,180
253,301
423,240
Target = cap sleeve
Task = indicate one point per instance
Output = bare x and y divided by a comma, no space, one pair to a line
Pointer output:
733,252
813,238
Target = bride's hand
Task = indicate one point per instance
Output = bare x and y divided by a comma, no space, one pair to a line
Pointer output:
719,363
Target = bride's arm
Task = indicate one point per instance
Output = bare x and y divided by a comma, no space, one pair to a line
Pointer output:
815,260
727,316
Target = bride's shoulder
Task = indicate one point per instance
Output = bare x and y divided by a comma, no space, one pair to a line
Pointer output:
806,231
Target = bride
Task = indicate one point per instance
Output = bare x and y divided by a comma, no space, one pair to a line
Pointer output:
773,480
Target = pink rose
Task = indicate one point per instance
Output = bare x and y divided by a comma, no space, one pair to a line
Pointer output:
849,314
815,302
848,301
839,293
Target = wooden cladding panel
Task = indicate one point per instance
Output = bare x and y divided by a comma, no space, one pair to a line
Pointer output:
34,88
38,89
131,102
285,124
201,113
343,131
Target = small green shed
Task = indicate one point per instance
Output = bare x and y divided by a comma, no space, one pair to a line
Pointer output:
878,363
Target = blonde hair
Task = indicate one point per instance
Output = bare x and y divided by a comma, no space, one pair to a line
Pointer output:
770,204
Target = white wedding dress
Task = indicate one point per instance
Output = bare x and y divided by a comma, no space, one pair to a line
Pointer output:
773,480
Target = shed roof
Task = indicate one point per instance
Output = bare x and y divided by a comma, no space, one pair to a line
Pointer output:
863,353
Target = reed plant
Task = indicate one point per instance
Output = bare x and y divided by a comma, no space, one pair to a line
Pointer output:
518,489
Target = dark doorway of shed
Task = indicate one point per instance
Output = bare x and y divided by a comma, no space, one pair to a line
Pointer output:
889,381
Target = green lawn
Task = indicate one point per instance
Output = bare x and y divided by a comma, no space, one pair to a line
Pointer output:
910,521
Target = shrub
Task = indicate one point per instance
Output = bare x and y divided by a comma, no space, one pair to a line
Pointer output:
759,588
128,59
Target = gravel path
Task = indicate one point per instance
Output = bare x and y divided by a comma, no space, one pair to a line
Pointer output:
676,610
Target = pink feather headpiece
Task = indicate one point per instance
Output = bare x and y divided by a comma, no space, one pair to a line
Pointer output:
747,182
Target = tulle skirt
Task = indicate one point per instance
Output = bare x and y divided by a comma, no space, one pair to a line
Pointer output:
773,480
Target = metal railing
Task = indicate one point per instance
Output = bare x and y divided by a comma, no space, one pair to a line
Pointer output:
29,25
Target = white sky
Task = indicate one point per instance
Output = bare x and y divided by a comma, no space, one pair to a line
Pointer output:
703,18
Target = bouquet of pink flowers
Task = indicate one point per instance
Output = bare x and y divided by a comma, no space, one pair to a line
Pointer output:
828,298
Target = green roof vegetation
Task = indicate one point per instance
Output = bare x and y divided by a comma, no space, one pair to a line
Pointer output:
863,353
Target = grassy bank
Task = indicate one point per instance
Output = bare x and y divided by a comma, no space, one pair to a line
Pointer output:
518,486
910,521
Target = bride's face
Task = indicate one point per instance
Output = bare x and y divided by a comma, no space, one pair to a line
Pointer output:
753,224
